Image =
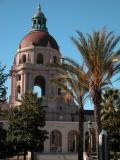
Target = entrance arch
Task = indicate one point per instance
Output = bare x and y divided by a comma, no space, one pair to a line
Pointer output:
56,141
73,141
39,81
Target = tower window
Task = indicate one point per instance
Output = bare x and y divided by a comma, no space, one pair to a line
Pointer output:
59,91
19,77
60,108
34,21
20,61
39,59
18,92
24,58
54,59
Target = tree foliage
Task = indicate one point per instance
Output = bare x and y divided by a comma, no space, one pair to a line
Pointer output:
101,63
101,59
110,117
2,141
6,150
26,124
3,78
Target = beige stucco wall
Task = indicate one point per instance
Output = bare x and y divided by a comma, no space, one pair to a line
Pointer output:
64,128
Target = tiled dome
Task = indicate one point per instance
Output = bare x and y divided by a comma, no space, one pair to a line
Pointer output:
38,38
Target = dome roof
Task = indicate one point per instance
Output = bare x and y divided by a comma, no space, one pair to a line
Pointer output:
38,38
38,15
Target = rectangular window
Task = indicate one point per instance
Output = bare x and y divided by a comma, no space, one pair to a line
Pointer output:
19,77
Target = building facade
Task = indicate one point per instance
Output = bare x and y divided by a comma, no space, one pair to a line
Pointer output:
30,69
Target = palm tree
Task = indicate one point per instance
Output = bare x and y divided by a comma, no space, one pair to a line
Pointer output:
69,81
110,117
102,63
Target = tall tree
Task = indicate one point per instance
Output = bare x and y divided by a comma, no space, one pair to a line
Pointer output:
110,117
26,124
101,60
69,80
3,78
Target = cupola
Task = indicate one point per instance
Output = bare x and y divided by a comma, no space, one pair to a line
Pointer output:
39,20
38,35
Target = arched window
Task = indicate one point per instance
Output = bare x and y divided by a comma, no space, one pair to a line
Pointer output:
56,141
86,141
73,141
18,92
59,91
34,21
39,85
39,58
54,59
24,58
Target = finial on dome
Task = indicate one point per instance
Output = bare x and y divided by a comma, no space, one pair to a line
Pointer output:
39,7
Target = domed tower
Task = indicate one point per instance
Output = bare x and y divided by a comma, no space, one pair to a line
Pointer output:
29,69
37,49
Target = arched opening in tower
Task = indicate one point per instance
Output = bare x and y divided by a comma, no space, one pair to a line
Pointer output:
18,92
38,91
39,58
54,59
39,86
24,58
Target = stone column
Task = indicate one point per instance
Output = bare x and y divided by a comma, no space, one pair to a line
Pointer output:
24,83
14,87
27,81
33,57
27,61
30,81
11,86
46,84
64,141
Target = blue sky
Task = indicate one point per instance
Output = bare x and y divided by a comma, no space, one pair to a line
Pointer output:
64,17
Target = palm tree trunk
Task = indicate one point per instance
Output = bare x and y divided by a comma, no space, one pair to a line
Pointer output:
24,155
80,133
96,98
32,155
18,156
